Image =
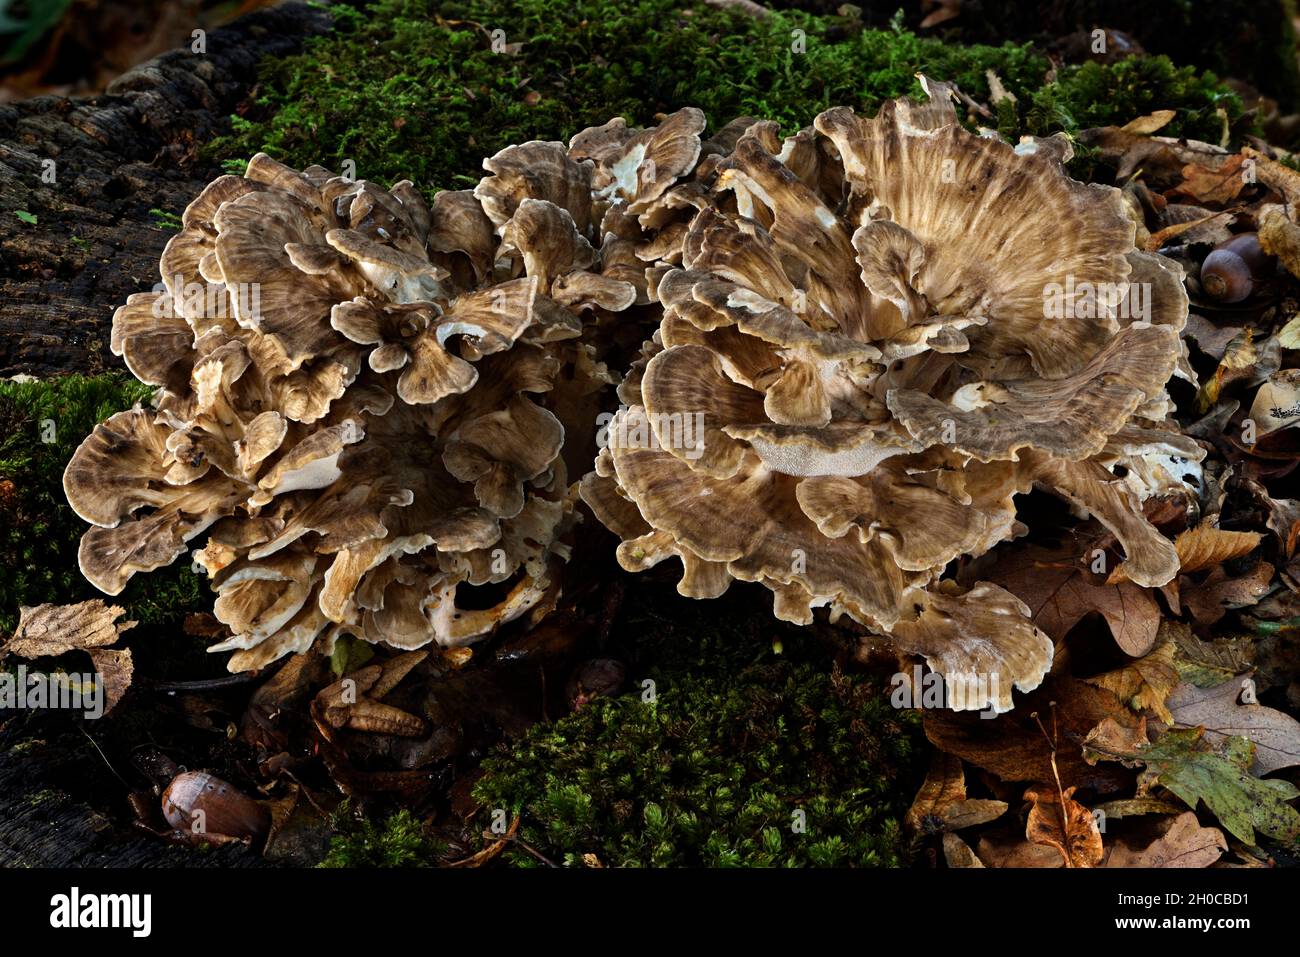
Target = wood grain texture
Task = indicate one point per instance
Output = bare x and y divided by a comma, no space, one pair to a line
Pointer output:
118,155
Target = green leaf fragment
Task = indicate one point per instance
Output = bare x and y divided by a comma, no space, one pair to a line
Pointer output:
1188,766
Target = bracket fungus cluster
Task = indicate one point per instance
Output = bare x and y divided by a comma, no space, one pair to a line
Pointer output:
363,399
868,339
888,328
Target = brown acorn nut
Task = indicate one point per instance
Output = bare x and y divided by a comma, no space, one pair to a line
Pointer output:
209,809
1235,267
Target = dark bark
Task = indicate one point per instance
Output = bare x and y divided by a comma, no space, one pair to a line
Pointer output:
117,155
43,824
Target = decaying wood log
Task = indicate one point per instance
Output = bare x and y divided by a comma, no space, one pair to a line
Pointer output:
113,157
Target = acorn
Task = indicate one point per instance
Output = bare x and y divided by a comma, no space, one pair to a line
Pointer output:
203,805
1234,268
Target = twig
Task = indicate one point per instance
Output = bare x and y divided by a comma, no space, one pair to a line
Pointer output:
96,746
1060,791
206,684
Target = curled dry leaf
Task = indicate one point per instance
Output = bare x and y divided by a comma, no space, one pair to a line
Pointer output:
1210,600
353,701
942,805
1149,123
1057,820
1110,738
1283,515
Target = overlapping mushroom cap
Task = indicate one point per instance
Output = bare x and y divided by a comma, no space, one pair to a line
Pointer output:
361,398
881,331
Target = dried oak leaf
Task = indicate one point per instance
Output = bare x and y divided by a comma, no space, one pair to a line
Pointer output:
942,805
1216,186
1057,820
1059,593
1185,843
1275,734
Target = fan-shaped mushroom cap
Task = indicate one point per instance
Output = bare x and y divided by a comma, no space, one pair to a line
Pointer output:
358,396
881,331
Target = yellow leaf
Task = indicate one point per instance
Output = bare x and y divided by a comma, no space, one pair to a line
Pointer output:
1206,546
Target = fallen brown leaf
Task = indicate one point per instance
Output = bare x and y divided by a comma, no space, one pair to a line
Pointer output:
1161,237
1110,737
1283,515
957,853
1013,747
1276,734
89,626
1216,186
942,805
1206,546
1057,820
1273,174
1210,600
1184,844
1135,807
116,669
1003,851
48,630
1059,594
1150,123
1144,684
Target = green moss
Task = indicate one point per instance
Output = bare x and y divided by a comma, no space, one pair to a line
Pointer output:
1242,38
722,768
413,89
41,424
1094,94
397,841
